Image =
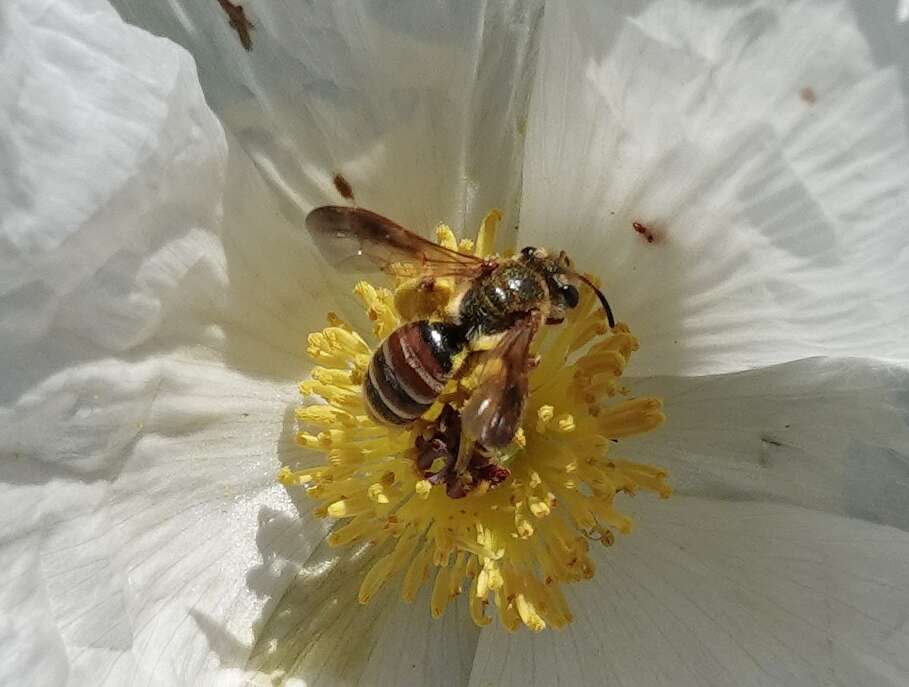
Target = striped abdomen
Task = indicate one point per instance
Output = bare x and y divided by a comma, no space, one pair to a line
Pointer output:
409,370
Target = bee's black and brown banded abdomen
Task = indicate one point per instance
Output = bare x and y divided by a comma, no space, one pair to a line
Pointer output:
409,370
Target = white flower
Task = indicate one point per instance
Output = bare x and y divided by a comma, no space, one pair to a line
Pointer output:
156,289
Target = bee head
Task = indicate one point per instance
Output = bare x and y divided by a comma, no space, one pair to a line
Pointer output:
563,281
530,254
563,294
564,278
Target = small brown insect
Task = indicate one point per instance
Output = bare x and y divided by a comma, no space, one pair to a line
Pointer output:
509,298
343,187
644,231
238,22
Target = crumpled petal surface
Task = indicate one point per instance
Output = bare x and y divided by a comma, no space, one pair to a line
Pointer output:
716,592
830,434
94,235
780,557
762,147
139,425
421,106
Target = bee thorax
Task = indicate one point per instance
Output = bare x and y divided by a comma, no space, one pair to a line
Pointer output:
493,304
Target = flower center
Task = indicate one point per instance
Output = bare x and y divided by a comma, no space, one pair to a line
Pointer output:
521,526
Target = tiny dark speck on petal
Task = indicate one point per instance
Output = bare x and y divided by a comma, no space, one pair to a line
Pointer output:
768,449
808,95
770,440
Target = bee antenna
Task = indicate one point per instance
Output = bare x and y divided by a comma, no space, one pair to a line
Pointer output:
603,301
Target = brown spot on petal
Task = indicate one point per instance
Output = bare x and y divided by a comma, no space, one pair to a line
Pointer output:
808,95
343,187
647,233
238,22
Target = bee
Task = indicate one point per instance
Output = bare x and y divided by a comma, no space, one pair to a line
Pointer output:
508,299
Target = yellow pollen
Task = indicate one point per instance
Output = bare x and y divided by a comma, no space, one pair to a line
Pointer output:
509,548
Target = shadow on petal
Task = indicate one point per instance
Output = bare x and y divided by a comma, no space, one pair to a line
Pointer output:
316,631
311,626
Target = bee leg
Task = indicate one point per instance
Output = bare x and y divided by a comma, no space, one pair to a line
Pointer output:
457,487
429,451
465,453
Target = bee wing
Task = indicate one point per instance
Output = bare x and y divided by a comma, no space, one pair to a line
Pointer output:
495,410
353,239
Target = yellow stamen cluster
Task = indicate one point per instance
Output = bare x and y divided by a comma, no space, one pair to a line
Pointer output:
512,546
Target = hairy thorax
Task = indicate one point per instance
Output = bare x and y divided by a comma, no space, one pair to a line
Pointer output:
493,303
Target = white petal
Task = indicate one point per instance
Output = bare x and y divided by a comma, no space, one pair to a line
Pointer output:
711,592
110,167
781,557
319,636
141,517
420,106
762,147
147,393
827,434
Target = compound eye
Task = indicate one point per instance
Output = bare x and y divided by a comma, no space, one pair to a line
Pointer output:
528,252
571,295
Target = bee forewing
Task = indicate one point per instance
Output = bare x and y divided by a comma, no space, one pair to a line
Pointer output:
340,242
352,239
493,415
